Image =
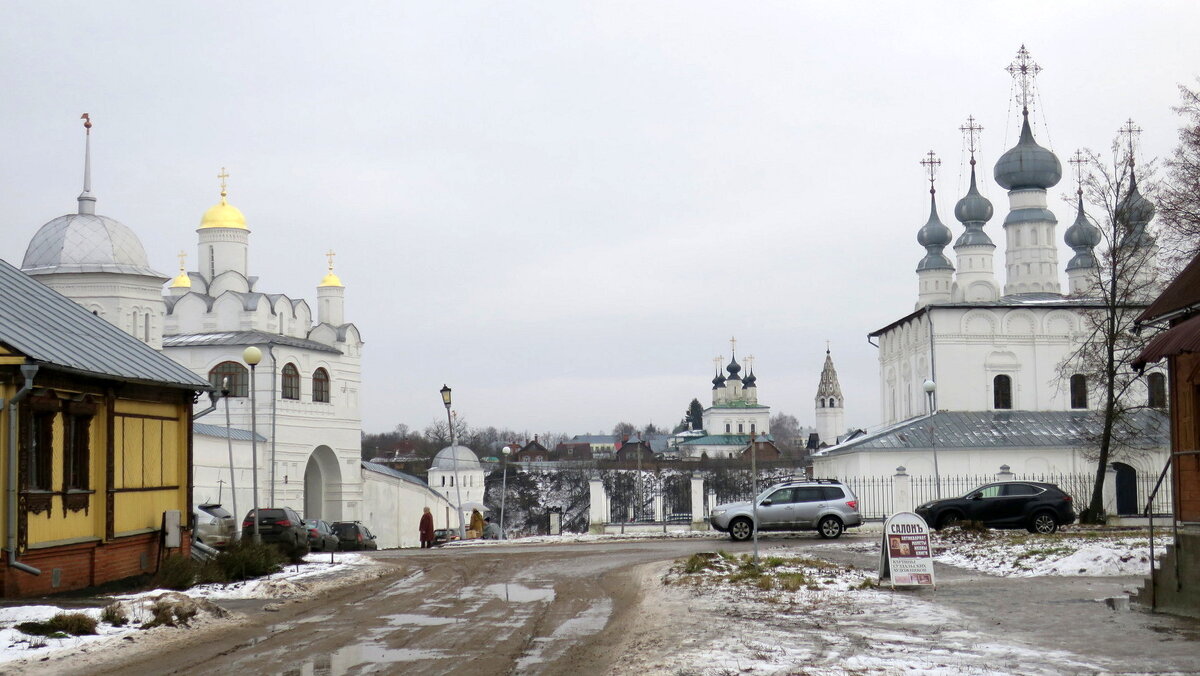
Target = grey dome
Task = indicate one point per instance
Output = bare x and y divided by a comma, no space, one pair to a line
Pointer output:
1135,211
1082,236
934,236
86,243
973,207
1028,165
750,381
718,381
450,455
733,368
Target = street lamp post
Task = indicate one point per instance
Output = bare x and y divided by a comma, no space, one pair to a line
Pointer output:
504,490
462,532
252,356
754,493
931,387
237,525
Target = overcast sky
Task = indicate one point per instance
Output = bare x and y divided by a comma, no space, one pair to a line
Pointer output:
564,210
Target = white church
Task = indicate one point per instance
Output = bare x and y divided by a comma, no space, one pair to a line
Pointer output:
973,372
308,425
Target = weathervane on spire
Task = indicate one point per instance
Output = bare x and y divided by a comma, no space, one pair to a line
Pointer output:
1024,69
1079,159
931,164
223,175
971,131
1130,131
87,122
330,254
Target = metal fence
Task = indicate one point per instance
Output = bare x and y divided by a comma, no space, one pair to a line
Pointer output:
874,495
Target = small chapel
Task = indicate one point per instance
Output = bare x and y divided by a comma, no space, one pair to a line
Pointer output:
973,378
735,418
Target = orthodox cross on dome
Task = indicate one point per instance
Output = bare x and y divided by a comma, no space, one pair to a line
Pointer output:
971,131
182,258
223,175
1079,159
1130,131
1024,69
330,254
931,164
732,345
750,363
717,362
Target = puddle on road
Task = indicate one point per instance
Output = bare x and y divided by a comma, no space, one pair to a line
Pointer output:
547,648
519,593
421,620
345,660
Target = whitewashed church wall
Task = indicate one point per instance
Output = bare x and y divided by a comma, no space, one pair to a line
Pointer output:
394,508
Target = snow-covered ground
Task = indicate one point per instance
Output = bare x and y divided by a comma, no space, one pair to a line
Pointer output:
805,615
292,581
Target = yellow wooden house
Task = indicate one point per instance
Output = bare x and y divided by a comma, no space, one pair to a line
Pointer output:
95,444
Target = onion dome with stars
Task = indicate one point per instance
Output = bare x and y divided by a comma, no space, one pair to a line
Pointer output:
86,241
934,235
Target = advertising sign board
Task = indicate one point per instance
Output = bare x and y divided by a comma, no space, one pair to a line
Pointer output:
907,555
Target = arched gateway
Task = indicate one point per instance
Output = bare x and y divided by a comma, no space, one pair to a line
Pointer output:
322,486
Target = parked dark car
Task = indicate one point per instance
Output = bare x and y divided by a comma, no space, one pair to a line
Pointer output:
1040,507
279,525
443,535
352,535
321,537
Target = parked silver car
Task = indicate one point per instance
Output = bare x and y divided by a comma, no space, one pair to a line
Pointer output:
215,526
827,507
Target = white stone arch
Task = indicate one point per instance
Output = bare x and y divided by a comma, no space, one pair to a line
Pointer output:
1059,323
323,485
1020,323
979,323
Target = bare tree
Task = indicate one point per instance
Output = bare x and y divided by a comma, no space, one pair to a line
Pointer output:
1179,194
1122,282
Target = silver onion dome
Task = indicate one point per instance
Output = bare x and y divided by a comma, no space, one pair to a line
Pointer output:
1027,164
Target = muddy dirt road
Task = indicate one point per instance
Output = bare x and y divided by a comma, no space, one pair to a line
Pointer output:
458,610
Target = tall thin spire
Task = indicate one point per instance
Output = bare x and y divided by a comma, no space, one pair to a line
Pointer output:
87,201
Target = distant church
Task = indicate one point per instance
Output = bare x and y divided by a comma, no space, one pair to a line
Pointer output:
973,371
734,418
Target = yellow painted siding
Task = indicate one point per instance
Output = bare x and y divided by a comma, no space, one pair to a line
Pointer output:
61,524
143,509
171,462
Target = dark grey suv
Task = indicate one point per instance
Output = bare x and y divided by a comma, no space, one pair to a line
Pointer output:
280,525
827,507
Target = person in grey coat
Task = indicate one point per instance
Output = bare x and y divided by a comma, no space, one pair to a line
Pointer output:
491,531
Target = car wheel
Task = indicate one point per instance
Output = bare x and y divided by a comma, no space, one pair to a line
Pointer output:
1043,523
740,529
830,527
948,519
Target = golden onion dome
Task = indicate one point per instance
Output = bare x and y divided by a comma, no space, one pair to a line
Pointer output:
223,215
330,279
182,281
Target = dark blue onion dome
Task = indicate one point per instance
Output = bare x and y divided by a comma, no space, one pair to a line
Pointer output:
1082,236
973,211
733,368
934,236
750,380
718,381
1135,211
1028,165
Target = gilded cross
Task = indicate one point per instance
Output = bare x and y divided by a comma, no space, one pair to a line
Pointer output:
182,258
1079,159
330,254
931,163
223,175
750,363
971,131
717,362
1024,69
733,345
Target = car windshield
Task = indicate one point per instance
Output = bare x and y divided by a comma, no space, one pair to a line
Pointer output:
310,523
344,529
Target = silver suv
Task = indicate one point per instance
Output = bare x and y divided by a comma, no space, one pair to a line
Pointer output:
822,505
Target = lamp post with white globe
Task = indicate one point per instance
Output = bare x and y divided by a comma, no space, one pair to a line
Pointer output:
462,532
504,489
930,387
252,356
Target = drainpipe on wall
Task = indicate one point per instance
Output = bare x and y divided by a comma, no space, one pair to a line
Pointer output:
28,371
932,363
213,396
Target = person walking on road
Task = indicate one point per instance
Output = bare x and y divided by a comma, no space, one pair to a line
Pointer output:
426,529
477,522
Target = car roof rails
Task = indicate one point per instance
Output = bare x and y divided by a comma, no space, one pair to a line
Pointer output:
804,479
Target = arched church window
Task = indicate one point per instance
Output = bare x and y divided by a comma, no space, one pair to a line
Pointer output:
239,378
728,428
1002,392
290,387
752,428
1079,391
739,428
1156,386
321,386
822,403
133,328
146,328
1033,236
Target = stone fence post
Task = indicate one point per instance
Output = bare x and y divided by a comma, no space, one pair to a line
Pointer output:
698,503
598,508
902,497
1005,474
